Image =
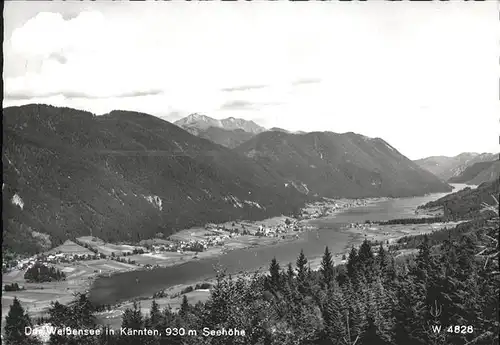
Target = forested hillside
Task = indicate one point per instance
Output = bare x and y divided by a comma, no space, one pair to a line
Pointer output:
490,174
345,165
478,173
122,176
225,137
449,167
466,203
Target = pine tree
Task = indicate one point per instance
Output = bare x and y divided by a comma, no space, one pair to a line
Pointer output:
423,260
15,322
391,272
218,306
371,336
352,263
58,314
59,317
290,274
82,312
133,319
357,318
366,259
382,259
333,318
326,269
409,313
155,316
302,273
185,308
274,280
466,258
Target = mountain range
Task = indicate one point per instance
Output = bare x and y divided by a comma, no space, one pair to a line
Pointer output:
229,132
348,164
466,203
126,176
447,167
201,122
478,173
277,129
292,155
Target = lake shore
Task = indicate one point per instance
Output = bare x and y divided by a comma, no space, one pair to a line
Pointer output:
172,296
81,275
321,211
313,211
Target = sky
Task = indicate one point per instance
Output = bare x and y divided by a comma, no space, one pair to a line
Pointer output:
422,76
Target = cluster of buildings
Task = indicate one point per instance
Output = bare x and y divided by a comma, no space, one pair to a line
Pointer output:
51,259
329,207
26,263
191,245
275,231
358,226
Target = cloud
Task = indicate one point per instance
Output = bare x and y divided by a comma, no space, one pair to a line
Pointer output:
119,95
246,105
61,58
19,95
244,88
81,56
238,104
306,81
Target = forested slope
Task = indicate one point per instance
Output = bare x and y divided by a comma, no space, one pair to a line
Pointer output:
123,176
345,165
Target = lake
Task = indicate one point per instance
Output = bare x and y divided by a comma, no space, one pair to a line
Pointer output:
123,286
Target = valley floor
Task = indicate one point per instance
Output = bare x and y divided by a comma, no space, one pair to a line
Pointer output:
80,274
174,294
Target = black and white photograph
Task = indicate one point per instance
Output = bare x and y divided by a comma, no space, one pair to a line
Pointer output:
250,173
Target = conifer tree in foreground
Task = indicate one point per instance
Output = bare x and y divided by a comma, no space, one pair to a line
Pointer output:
302,273
15,322
155,316
133,320
352,263
290,274
184,309
326,269
273,283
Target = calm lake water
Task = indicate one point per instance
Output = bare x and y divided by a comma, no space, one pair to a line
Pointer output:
123,286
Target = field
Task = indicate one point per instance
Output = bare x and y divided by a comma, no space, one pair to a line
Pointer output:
107,248
161,259
36,297
394,231
198,233
70,247
113,318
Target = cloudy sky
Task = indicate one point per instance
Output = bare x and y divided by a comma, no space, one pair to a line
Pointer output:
423,76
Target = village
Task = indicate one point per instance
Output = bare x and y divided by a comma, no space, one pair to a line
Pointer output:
88,257
85,258
191,240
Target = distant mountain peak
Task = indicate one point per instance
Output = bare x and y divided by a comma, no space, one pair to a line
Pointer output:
446,167
278,129
197,117
203,122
